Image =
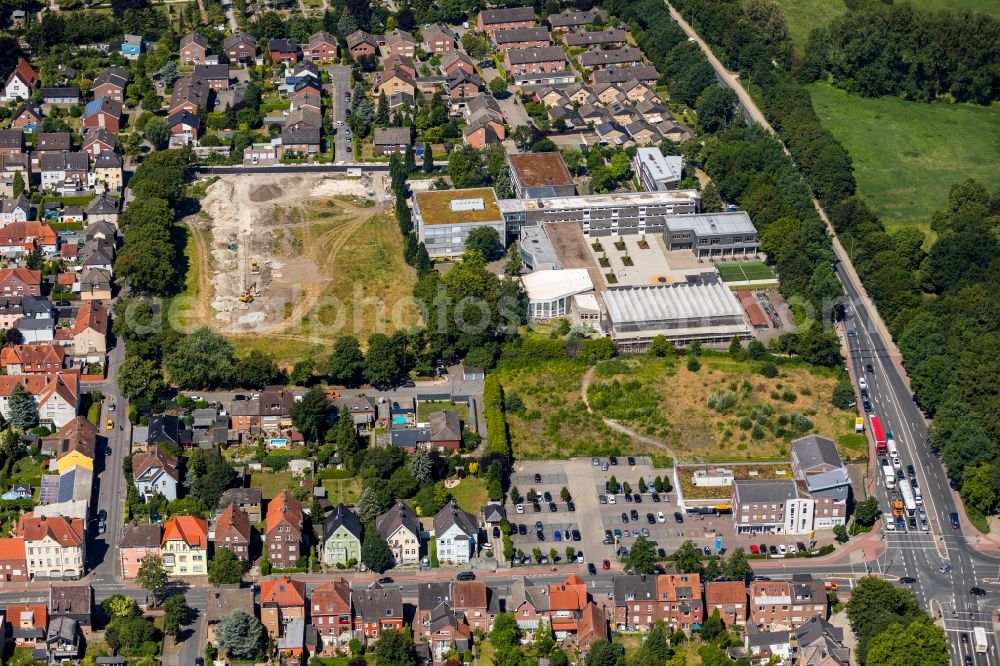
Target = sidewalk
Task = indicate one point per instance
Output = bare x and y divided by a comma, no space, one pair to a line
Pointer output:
861,548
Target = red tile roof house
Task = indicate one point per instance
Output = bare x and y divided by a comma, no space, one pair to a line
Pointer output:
21,83
378,608
233,531
331,612
592,627
193,49
457,61
521,38
729,598
281,601
13,565
322,46
283,50
111,83
28,622
491,20
400,42
20,282
283,535
32,359
57,395
23,237
97,140
470,599
103,112
518,62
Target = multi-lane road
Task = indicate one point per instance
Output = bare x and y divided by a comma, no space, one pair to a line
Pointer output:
914,553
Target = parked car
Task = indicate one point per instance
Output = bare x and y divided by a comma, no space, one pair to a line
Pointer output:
570,506
645,532
606,565
613,460
678,518
520,508
634,514
631,461
591,569
547,496
577,536
602,499
650,519
624,517
660,518
385,580
754,550
596,461
655,497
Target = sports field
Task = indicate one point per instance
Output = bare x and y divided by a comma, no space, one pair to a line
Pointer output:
750,270
907,155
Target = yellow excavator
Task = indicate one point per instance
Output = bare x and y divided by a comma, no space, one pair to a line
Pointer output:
247,296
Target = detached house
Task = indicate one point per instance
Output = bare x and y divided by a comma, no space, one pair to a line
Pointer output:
21,82
103,208
362,44
400,528
103,112
282,601
97,140
15,210
342,535
20,282
57,395
457,533
111,83
108,170
233,531
139,541
155,473
29,622
240,47
193,49
400,42
322,46
446,430
185,546
389,140
283,50
439,39
283,535
28,116
54,546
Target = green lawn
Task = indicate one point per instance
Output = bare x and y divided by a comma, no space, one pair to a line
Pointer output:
750,270
424,409
804,15
470,494
907,155
272,483
343,491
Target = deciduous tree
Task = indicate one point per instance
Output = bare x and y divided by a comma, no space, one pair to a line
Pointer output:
239,635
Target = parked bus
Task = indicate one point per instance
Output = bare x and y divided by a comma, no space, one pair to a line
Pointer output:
859,424
878,435
908,502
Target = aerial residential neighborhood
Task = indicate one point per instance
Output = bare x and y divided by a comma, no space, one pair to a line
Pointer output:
607,334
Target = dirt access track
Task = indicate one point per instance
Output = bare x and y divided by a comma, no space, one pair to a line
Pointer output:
274,238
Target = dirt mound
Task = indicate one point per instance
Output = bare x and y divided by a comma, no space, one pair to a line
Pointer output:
265,193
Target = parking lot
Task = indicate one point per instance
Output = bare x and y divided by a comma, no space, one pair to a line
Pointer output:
592,516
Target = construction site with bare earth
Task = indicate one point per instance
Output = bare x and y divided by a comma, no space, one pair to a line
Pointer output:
288,263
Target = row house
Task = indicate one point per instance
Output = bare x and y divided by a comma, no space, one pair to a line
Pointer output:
394,81
240,47
284,531
604,58
88,336
15,308
76,445
185,546
64,169
28,116
282,601
376,609
109,171
817,465
97,140
50,143
13,564
22,237
447,632
786,604
641,601
332,612
103,208
645,73
565,606
193,49
772,506
439,39
30,359
29,623
504,18
611,37
234,532
103,112
521,38
54,546
21,82
321,46
520,62
819,643
400,528
570,20
729,598
276,408
362,44
10,167
56,395
401,43
155,473
111,83
20,282
139,541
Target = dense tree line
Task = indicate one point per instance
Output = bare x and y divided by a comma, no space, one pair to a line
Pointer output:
906,50
891,628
